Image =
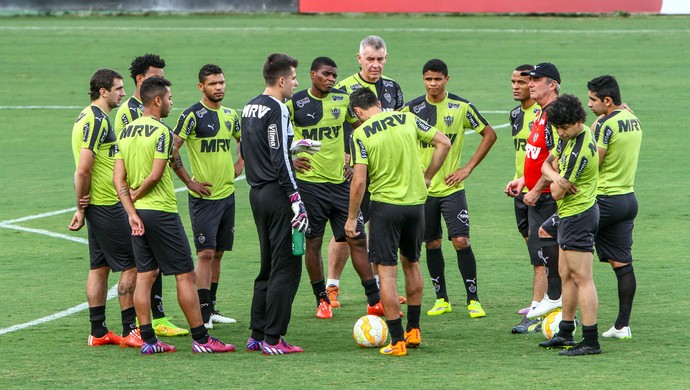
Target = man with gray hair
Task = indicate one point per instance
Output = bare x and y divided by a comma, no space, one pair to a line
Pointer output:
372,57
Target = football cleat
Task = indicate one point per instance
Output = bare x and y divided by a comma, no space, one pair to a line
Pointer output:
110,338
581,349
333,294
527,326
413,338
397,349
254,344
558,342
622,334
377,310
132,340
212,346
221,319
282,348
158,347
475,309
544,307
163,327
324,310
440,307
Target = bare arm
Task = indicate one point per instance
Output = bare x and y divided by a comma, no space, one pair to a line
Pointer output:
239,163
488,140
151,180
123,193
441,145
559,185
181,172
82,187
357,188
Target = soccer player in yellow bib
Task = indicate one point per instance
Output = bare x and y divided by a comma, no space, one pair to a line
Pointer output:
452,115
384,148
372,57
619,136
141,68
210,130
144,185
319,114
574,185
110,247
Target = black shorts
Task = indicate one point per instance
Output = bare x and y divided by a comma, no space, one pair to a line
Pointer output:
110,243
551,225
521,215
577,232
328,202
394,227
616,221
536,215
453,209
213,222
164,244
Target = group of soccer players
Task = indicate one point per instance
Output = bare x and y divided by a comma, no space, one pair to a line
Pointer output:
353,154
573,191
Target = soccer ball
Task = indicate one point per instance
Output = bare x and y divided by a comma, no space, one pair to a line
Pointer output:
370,331
551,322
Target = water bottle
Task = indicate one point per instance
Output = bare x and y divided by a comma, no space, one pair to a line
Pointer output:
298,243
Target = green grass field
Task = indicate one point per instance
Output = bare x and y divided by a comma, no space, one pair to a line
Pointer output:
46,64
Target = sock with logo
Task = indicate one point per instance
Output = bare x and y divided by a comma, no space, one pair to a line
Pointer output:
97,318
468,269
436,265
157,298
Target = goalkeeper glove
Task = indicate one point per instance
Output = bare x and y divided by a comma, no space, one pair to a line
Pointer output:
305,145
299,221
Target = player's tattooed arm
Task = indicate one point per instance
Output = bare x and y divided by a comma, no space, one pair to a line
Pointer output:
181,172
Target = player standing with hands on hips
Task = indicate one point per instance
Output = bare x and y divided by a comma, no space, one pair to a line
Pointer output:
276,205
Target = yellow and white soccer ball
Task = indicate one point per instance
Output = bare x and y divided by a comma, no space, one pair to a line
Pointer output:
370,331
551,322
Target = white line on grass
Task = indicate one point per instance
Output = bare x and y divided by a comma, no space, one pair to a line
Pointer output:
9,224
112,293
344,29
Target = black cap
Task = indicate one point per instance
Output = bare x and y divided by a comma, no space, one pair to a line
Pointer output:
545,69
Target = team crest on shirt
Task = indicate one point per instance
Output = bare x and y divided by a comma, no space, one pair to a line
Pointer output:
388,97
452,105
300,103
335,112
448,120
201,113
419,107
87,131
387,83
273,142
228,125
536,137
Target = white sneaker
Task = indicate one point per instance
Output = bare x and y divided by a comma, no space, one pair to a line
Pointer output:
623,333
209,324
221,319
545,306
